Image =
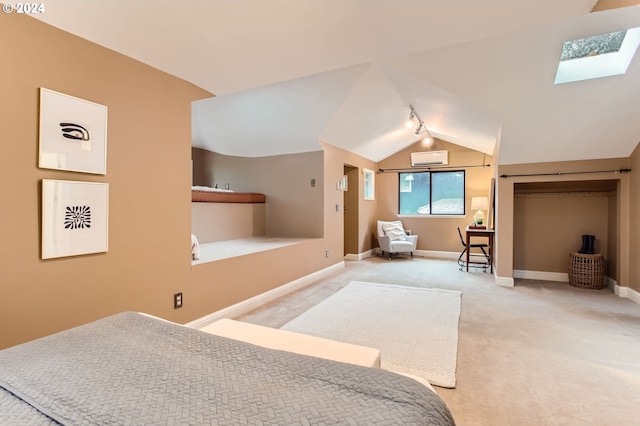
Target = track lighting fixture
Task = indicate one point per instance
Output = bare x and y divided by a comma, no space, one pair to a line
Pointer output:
421,128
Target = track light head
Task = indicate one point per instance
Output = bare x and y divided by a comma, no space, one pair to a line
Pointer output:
421,126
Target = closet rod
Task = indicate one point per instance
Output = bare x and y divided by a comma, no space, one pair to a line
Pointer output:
427,168
568,173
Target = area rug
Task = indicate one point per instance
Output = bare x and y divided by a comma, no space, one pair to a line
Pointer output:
415,329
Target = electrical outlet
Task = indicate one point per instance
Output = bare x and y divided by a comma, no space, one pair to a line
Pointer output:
326,253
177,301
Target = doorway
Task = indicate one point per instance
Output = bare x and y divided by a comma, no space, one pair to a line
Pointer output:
350,210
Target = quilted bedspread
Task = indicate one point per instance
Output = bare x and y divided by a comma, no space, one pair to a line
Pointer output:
130,369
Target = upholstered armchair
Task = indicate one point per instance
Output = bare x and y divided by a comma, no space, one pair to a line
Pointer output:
393,239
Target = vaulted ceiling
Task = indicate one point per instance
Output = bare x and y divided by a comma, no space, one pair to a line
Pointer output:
289,74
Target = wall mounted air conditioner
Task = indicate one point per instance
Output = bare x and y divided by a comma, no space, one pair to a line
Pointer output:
430,158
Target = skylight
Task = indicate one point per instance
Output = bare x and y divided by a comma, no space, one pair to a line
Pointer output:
598,56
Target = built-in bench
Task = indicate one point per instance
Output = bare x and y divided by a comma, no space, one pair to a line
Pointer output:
219,250
295,342
231,228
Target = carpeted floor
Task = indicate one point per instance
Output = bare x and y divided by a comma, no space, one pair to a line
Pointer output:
415,329
540,353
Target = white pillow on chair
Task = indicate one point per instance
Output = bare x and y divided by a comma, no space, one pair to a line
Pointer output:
394,230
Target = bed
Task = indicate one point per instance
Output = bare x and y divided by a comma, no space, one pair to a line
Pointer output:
204,194
133,369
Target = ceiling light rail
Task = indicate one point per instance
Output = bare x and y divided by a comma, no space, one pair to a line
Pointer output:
429,168
566,173
421,128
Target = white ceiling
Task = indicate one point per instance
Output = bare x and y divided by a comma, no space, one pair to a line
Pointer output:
289,74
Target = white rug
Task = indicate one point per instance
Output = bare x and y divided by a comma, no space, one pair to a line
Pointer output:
415,329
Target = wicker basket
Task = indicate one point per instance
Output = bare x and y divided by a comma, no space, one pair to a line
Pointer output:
586,270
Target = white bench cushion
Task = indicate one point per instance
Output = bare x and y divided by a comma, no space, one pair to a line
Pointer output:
284,340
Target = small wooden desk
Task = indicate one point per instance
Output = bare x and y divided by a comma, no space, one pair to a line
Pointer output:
487,233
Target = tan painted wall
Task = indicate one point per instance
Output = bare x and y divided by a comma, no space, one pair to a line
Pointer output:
613,4
294,207
507,234
367,209
612,231
217,285
148,170
633,247
547,227
202,172
435,233
211,222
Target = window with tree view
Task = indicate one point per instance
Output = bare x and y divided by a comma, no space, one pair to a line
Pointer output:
432,193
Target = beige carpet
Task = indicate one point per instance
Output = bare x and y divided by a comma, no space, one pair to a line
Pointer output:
415,329
537,354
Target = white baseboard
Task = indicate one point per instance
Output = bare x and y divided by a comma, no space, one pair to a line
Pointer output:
262,298
627,293
360,256
504,281
424,253
541,275
438,254
420,253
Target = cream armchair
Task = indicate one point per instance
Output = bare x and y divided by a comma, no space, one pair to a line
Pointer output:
393,239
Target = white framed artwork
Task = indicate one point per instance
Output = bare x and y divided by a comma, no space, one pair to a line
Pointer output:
73,134
74,218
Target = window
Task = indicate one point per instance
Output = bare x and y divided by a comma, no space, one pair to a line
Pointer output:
431,193
597,56
369,184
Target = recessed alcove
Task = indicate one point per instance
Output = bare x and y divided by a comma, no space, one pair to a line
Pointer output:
292,212
550,218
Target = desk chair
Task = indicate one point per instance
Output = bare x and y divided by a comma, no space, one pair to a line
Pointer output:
484,260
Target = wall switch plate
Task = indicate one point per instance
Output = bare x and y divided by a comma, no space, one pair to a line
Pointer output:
177,301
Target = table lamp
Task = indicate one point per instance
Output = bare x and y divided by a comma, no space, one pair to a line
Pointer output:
479,204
